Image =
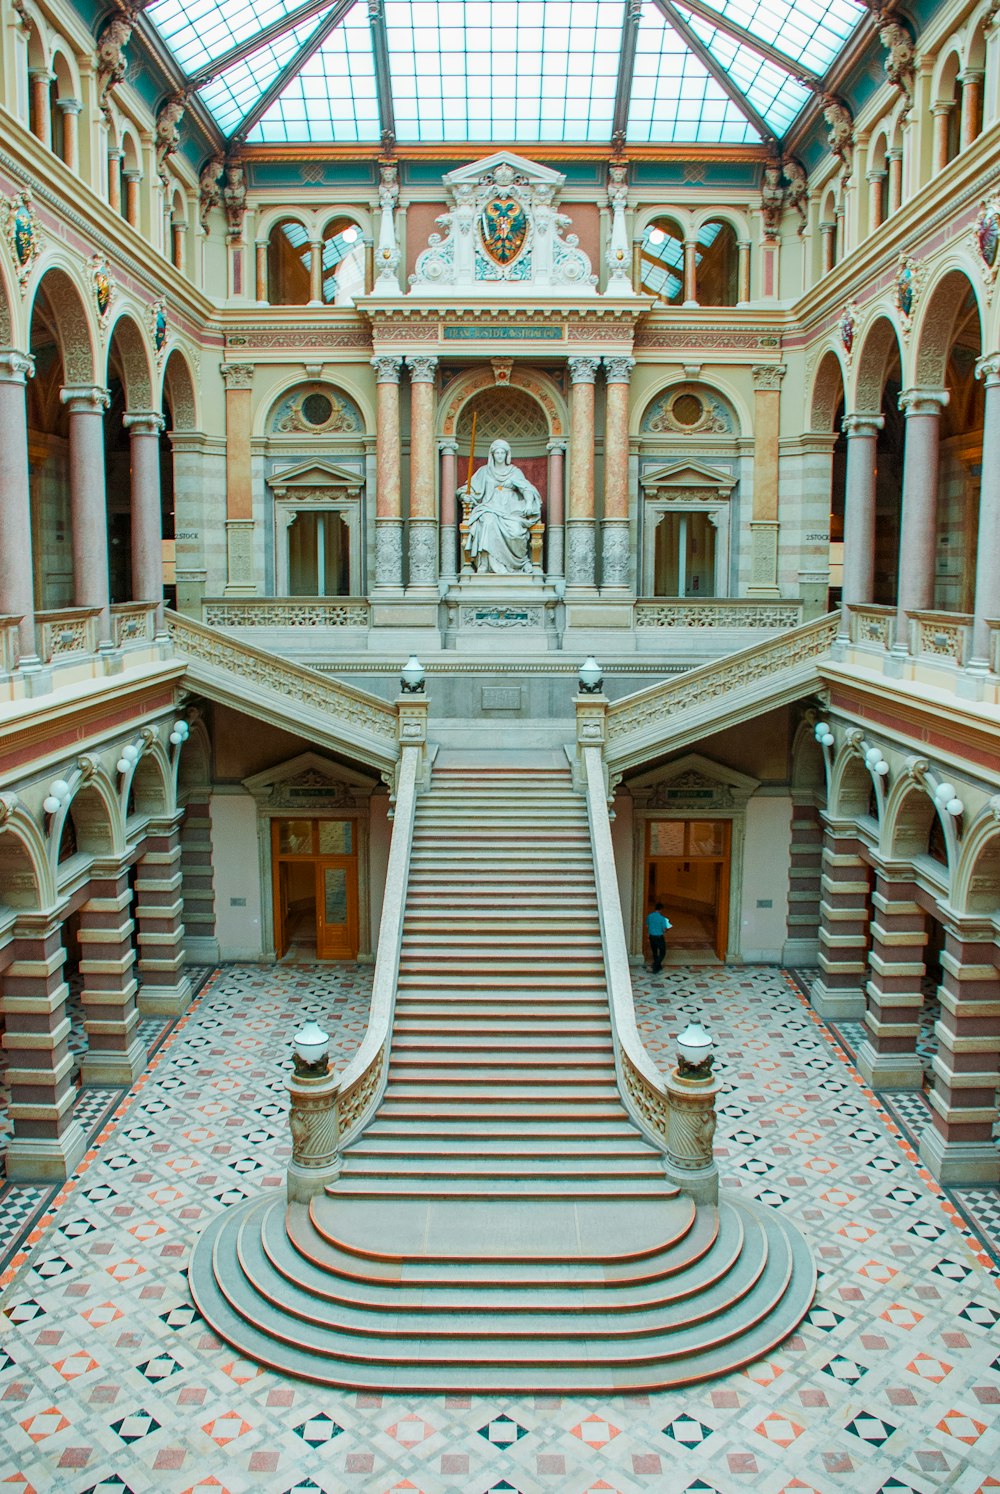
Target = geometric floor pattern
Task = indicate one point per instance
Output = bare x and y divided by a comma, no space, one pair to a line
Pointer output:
110,1381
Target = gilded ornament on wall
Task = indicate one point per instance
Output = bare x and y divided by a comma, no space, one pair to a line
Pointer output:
158,327
24,235
847,327
104,289
906,290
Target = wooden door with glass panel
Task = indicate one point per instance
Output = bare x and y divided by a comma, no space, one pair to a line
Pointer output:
315,866
687,870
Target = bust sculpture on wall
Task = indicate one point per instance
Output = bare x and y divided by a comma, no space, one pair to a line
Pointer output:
501,506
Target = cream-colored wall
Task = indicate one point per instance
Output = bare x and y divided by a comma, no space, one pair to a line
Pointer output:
766,860
236,860
379,837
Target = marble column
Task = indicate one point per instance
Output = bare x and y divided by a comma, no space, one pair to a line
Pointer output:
887,1056
859,513
88,502
115,1054
40,82
743,272
690,272
260,263
987,603
615,527
895,179
47,1142
115,179
828,241
449,508
839,991
918,521
958,1146
767,379
132,181
240,566
555,526
178,233
388,481
144,429
423,546
942,115
580,539
16,570
972,96
159,915
70,111
874,180
316,273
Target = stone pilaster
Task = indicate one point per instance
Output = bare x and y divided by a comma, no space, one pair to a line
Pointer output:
198,885
838,992
615,528
767,379
47,1142
165,989
16,570
388,482
959,1146
115,1054
581,567
918,522
89,518
241,580
804,886
887,1058
423,536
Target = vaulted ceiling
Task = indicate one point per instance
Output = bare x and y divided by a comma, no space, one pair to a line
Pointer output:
646,71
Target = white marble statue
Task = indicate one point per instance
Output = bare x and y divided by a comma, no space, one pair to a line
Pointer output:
502,507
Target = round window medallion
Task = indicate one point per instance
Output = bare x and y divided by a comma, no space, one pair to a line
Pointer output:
687,409
317,408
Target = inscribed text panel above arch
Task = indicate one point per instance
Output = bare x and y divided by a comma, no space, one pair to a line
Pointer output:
315,409
508,413
688,410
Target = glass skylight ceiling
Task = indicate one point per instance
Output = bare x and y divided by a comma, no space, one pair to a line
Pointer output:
509,71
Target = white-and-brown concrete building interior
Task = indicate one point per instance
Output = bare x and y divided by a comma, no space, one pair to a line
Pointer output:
757,386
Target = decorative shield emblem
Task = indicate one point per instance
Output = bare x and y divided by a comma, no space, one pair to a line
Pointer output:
24,234
504,229
847,326
904,290
158,327
987,235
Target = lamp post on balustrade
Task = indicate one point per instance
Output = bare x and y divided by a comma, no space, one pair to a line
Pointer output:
312,1116
692,1089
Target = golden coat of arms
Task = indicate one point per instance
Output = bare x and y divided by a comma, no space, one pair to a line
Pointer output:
503,225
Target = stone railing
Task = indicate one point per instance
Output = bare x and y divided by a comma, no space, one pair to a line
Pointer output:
9,643
781,667
946,636
70,630
328,1114
285,612
132,623
334,712
872,626
717,612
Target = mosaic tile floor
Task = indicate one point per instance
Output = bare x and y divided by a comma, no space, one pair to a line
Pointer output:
109,1381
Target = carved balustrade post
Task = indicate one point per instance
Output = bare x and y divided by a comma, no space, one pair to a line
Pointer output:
887,1057
580,540
313,1122
88,503
690,1158
423,547
388,481
615,528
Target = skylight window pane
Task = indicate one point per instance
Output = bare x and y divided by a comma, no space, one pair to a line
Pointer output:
510,69
333,97
197,31
775,95
233,93
674,98
807,31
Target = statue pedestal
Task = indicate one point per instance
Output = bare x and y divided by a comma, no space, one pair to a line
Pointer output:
516,613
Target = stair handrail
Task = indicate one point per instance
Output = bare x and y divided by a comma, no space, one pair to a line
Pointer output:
640,1082
373,721
631,716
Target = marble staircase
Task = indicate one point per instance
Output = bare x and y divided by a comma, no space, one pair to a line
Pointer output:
501,1223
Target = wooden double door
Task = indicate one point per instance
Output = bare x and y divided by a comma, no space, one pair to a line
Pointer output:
315,875
687,868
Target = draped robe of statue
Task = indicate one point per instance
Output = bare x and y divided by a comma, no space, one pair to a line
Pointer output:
503,505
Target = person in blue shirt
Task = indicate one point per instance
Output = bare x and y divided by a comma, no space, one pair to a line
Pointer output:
656,927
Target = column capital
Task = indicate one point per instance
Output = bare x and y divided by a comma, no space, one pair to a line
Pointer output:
583,370
923,401
558,444
387,367
143,422
875,176
15,367
115,153
894,153
237,375
133,174
422,367
448,447
69,106
987,368
943,106
618,368
90,399
828,225
971,75
41,75
861,424
767,376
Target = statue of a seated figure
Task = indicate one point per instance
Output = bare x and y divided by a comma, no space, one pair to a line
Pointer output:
501,508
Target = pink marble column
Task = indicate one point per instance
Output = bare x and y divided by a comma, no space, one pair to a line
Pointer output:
70,111
580,539
690,272
16,572
918,523
615,529
115,179
895,179
260,265
449,507
743,271
972,93
91,586
132,181
556,506
388,483
40,81
423,545
942,115
144,429
859,512
987,604
828,232
316,273
874,180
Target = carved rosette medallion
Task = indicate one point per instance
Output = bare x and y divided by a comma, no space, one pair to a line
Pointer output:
24,235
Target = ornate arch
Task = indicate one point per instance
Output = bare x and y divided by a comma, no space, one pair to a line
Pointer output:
976,884
875,357
951,49
539,386
909,812
178,382
730,400
151,782
271,217
850,783
127,339
96,815
26,880
361,220
194,762
829,390
270,402
736,220
935,330
808,774
72,323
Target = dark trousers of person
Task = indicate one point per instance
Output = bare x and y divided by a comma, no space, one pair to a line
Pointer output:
658,945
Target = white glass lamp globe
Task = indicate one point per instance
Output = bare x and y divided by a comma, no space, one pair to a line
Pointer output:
590,673
413,674
311,1043
695,1044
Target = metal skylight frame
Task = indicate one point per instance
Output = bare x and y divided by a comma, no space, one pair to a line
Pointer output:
589,98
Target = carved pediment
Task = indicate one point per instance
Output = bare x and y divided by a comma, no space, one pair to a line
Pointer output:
308,783
691,785
687,480
314,481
